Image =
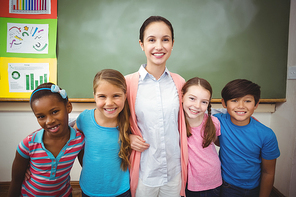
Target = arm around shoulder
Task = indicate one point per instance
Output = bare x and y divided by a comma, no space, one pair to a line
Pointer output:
217,125
80,157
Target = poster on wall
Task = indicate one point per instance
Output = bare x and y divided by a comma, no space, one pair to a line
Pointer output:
25,77
27,38
20,76
29,6
29,9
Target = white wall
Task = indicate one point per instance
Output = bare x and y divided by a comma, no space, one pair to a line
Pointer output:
283,122
13,128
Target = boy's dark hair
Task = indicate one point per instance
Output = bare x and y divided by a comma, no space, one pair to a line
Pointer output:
239,88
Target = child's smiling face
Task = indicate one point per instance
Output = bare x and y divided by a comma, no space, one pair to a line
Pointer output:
195,103
240,109
52,114
110,100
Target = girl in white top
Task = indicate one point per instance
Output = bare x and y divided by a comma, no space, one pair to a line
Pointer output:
204,167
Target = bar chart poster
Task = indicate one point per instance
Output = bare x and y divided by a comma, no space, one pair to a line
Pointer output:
29,6
25,77
29,9
28,38
19,79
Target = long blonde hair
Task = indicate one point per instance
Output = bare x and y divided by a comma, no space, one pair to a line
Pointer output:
209,128
116,78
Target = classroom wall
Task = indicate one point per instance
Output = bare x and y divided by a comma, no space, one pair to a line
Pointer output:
283,122
15,125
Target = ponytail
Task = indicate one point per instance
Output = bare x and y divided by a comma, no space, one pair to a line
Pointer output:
209,130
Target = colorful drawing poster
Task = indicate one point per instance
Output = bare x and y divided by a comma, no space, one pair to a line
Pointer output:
30,9
27,38
20,76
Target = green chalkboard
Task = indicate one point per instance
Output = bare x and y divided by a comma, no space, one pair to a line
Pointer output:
219,40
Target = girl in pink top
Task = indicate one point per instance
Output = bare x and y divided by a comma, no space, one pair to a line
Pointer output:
204,167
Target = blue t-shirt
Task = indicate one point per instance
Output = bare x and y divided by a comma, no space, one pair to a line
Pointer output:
241,150
101,174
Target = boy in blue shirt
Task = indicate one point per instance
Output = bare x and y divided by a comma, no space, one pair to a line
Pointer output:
248,149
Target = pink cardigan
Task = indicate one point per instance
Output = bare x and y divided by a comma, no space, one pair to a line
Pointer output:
132,87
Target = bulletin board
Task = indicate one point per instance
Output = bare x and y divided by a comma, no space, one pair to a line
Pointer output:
28,37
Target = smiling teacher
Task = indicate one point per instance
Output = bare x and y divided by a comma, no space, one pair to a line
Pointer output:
159,141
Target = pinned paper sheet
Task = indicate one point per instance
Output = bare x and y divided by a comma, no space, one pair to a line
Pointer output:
25,77
29,9
29,6
20,76
27,38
